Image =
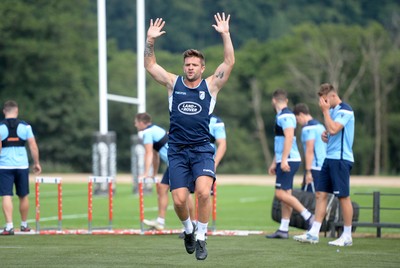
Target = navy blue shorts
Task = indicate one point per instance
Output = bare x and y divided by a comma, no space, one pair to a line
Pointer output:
192,187
165,178
335,177
315,174
187,163
19,177
284,180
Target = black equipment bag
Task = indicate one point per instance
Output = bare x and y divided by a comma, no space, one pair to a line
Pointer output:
307,199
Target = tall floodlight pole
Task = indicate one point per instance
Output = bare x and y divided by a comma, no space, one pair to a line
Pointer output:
101,28
141,72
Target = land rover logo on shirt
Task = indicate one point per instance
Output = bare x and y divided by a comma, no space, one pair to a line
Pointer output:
189,108
202,95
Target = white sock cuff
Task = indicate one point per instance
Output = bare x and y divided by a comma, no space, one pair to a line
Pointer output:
306,214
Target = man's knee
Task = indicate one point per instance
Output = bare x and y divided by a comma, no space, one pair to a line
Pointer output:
203,195
179,196
282,194
203,187
321,196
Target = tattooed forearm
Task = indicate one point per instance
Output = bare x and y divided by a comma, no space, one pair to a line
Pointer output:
149,50
220,75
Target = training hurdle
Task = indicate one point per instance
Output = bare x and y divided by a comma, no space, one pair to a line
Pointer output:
214,208
143,231
99,179
213,226
108,230
141,181
50,180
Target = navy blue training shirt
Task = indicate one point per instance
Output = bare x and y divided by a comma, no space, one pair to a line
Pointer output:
190,110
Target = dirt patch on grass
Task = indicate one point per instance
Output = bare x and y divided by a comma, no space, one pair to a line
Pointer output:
237,179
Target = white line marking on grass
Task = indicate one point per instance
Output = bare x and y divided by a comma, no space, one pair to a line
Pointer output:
64,217
9,247
156,208
250,199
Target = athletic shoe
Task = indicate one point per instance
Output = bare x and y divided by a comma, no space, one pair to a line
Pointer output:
156,225
342,242
201,251
309,222
7,232
279,235
307,238
190,242
182,235
25,229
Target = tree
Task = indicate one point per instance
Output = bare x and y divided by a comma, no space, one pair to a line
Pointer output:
48,65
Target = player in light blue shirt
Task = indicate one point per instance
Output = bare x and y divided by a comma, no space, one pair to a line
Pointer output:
313,145
14,165
217,138
155,141
285,164
335,173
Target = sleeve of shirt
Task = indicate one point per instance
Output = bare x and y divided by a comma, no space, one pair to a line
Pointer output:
288,121
219,131
3,132
309,134
147,138
25,131
343,117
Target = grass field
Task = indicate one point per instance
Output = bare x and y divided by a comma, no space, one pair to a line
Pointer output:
168,251
239,208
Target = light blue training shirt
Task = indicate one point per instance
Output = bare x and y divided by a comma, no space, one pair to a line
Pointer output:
285,119
313,131
340,145
217,129
15,157
153,134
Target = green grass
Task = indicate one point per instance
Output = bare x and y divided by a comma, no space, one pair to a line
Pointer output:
239,208
168,251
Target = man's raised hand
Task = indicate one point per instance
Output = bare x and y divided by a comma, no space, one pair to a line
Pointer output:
222,23
155,29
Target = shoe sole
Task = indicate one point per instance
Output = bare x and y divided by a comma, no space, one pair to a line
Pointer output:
203,257
191,249
306,241
344,245
153,225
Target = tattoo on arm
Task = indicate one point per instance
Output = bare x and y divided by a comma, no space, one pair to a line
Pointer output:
220,75
149,50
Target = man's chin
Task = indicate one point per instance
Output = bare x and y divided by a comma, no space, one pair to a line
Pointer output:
191,78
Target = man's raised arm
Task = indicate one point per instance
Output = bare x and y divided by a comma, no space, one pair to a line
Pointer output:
222,73
150,63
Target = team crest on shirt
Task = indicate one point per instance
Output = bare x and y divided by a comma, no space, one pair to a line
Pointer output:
202,95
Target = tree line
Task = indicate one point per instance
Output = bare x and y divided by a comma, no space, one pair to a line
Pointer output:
48,63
